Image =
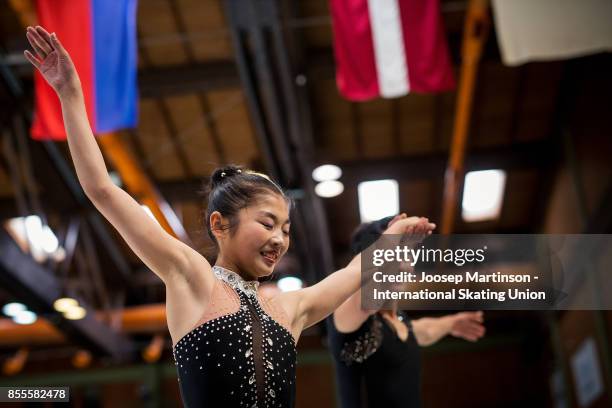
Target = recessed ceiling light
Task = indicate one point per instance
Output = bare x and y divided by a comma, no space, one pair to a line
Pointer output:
483,193
36,238
75,313
25,317
11,309
330,188
326,172
378,199
64,304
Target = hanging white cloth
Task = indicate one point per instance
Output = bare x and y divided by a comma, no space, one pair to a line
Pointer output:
540,30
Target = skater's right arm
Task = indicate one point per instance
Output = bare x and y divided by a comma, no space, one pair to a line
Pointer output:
165,255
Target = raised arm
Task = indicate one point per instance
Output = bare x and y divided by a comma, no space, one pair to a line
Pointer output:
310,305
163,254
465,325
349,316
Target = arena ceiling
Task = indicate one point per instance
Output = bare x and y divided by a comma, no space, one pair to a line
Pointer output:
225,81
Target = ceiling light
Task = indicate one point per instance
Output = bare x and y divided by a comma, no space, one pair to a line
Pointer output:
65,304
326,172
11,309
483,192
378,199
25,317
330,188
289,283
75,313
35,237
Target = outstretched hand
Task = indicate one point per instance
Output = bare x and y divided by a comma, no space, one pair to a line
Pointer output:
412,229
52,60
468,325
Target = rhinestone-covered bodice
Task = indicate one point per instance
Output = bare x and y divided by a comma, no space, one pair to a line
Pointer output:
239,359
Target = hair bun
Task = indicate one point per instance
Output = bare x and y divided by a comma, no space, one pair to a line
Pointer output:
221,174
367,234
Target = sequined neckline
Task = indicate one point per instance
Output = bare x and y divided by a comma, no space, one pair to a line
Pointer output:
236,281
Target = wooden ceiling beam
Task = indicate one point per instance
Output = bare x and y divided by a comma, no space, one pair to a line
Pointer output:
529,155
157,82
521,156
532,155
474,37
161,82
25,12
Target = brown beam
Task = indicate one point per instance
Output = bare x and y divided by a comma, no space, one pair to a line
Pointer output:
25,12
158,82
475,34
528,155
531,155
357,128
179,149
187,79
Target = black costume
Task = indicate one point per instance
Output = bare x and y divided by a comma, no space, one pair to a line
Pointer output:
237,355
374,367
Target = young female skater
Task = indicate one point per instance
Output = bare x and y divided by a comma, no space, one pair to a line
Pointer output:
232,347
377,354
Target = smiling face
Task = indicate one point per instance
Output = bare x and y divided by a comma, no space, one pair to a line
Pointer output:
259,238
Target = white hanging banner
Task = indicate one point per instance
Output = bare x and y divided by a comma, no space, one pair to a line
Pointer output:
541,30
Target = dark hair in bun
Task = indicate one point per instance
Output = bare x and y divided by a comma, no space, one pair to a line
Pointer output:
368,233
232,188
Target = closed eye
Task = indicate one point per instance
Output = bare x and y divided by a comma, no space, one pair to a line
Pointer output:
268,226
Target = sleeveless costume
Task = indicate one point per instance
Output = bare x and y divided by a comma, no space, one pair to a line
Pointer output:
241,352
374,367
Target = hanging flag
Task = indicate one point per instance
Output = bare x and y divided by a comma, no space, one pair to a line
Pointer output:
100,36
389,48
542,30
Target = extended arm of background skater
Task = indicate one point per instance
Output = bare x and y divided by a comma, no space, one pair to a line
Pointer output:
465,325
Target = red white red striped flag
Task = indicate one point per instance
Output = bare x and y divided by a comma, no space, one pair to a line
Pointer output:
389,48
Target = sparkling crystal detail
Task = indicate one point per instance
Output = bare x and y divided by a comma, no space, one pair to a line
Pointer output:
248,353
252,379
236,281
269,341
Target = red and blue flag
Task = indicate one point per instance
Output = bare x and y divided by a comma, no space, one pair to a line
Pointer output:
100,36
